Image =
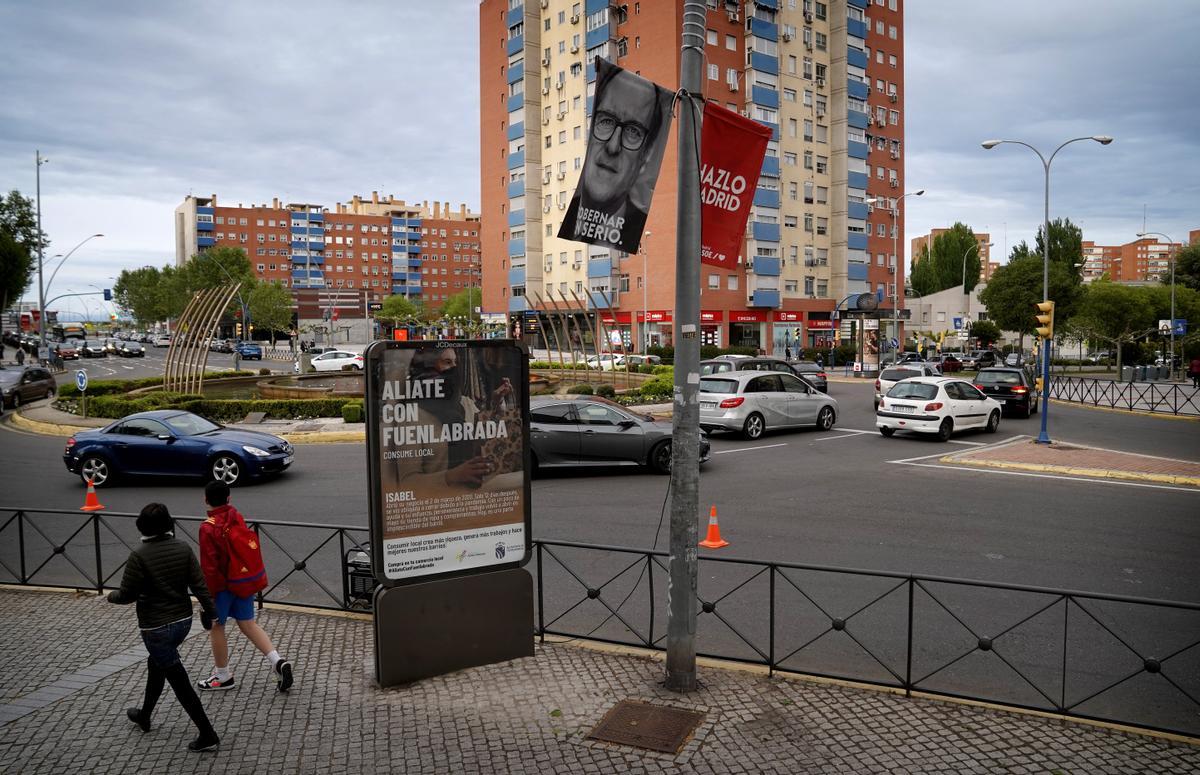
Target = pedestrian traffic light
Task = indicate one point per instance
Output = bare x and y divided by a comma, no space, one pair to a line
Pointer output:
1045,319
798,332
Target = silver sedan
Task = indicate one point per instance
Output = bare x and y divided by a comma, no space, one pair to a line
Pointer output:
750,402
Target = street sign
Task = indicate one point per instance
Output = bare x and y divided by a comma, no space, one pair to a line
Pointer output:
81,380
895,342
1164,327
1180,326
375,306
958,324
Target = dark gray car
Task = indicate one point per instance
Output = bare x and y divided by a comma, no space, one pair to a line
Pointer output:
576,430
22,385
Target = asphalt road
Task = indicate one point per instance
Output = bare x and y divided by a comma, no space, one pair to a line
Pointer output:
152,364
835,498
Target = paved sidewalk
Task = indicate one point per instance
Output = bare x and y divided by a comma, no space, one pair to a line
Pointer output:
526,716
1076,460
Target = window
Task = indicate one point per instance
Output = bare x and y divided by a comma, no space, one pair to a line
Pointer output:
714,72
711,37
790,221
714,282
731,43
791,64
789,158
808,160
731,282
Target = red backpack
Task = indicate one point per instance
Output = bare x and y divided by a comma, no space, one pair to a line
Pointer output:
246,573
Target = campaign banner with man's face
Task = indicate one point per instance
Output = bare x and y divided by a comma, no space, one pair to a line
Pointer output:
448,451
732,148
631,119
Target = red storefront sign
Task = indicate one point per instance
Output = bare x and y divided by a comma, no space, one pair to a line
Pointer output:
788,317
731,155
748,316
654,316
820,325
711,315
617,318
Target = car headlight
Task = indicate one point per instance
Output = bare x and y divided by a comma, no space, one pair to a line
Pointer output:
256,451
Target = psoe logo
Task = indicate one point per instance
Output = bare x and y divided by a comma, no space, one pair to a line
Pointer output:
461,555
500,551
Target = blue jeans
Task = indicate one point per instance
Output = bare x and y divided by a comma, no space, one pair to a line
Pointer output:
163,642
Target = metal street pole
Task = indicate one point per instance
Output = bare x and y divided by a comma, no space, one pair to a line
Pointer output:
1171,254
685,437
54,274
1043,436
41,255
645,299
966,293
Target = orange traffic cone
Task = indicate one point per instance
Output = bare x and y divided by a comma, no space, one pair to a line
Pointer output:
713,540
91,502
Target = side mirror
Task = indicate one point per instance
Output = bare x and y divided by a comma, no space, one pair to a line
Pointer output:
627,424
165,437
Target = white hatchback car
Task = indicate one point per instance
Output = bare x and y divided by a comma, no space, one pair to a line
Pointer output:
754,401
893,374
337,360
939,405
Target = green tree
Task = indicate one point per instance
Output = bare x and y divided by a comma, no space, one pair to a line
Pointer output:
400,310
16,268
921,277
1066,246
1187,268
270,308
140,293
1116,314
1016,287
18,219
462,304
941,264
986,332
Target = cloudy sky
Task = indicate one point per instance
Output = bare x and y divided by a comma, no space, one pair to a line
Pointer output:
138,103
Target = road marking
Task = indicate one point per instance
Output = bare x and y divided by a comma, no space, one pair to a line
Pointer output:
1075,479
854,430
970,443
942,454
846,434
748,449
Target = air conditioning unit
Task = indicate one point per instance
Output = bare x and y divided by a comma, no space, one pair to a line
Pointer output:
545,122
546,178
733,86
549,267
733,16
574,49
575,18
808,45
562,176
870,208
562,205
576,265
545,4
546,209
545,90
808,16
560,85
894,183
895,154
892,96
891,270
545,61
820,113
562,114
870,120
787,36
820,83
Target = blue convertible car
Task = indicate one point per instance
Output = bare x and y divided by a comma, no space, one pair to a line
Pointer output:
174,443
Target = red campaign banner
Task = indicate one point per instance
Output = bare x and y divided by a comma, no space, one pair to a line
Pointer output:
732,148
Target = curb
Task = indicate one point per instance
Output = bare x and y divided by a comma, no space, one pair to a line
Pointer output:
1096,473
1137,412
323,437
44,428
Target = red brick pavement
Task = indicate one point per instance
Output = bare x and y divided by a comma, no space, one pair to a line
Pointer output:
1085,461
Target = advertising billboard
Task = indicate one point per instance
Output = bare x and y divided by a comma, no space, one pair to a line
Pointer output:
448,456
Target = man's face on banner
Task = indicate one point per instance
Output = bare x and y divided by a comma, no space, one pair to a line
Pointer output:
619,139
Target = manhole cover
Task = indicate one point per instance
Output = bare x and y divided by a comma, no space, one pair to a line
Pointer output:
652,727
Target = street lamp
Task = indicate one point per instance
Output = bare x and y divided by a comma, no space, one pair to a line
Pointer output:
41,256
895,273
1043,437
645,299
966,293
1170,254
54,274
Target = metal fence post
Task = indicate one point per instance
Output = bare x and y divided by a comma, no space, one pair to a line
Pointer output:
541,603
908,669
1062,703
345,575
21,544
771,620
650,582
99,563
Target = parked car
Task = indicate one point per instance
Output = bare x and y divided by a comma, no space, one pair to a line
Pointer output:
20,385
249,351
94,349
893,374
593,431
174,443
1102,356
751,402
112,346
985,359
131,349
937,405
69,350
1013,389
335,360
162,340
747,363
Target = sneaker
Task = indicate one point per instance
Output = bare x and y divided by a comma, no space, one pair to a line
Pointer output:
284,668
135,715
214,684
202,743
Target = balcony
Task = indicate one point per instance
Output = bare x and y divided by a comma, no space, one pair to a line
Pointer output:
765,96
516,247
205,240
764,297
516,218
599,267
857,180
856,271
856,150
516,160
857,210
763,29
858,90
770,166
856,28
602,299
517,304
766,198
856,58
516,130
764,62
856,240
765,232
766,266
516,276
516,189
515,15
856,119
515,45
204,225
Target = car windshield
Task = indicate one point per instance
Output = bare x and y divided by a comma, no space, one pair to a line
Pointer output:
998,378
895,375
191,424
718,386
921,390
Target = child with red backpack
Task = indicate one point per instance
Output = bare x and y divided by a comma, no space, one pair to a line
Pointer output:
233,569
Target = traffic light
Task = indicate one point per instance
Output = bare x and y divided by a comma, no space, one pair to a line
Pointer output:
237,329
1045,319
798,332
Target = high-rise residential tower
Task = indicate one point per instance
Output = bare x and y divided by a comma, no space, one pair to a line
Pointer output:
806,69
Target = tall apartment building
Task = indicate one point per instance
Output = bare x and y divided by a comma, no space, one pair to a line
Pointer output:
805,69
1144,260
379,246
1099,260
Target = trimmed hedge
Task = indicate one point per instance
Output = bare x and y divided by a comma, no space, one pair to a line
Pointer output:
352,411
580,390
606,391
103,387
218,410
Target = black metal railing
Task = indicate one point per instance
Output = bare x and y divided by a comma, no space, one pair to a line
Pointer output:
1103,657
1163,397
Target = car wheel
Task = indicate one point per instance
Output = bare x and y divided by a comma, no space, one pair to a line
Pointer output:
660,458
945,429
993,422
825,418
16,400
95,469
50,392
533,464
754,427
1034,407
886,432
227,469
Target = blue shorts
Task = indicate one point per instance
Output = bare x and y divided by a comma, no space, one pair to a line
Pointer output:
229,604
